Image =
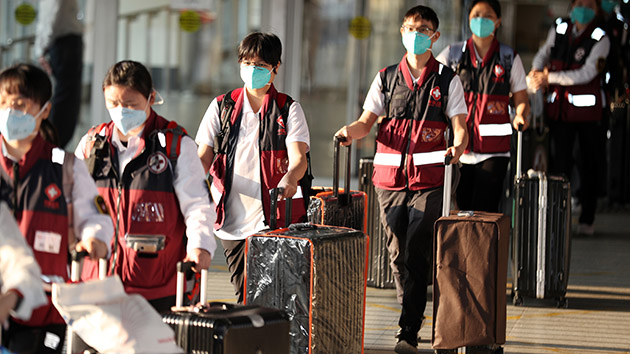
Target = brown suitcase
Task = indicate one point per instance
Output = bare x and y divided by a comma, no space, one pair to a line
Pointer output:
469,285
469,278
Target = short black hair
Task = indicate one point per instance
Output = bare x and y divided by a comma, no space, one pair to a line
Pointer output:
266,46
132,74
423,12
26,80
494,4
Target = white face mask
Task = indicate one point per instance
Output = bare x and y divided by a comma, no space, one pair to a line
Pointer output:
18,125
127,119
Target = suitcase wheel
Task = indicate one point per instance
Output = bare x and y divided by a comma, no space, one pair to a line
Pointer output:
562,302
517,300
446,351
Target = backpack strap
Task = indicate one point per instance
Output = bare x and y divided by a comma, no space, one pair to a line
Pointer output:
455,54
388,81
506,57
173,133
67,177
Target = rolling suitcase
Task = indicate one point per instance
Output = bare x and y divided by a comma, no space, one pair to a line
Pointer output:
379,273
337,207
542,237
469,279
221,328
316,274
618,154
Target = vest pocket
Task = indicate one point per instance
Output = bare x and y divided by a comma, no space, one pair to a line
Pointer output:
388,177
426,177
141,271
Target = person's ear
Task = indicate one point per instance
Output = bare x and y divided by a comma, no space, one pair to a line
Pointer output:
275,68
46,111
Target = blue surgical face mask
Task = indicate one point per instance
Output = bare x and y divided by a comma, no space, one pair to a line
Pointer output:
127,119
18,125
255,77
482,27
416,42
583,15
608,5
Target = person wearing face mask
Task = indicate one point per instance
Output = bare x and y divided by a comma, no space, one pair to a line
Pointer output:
569,66
51,212
147,170
420,98
490,71
251,140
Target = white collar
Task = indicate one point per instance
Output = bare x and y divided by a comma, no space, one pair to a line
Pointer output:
132,141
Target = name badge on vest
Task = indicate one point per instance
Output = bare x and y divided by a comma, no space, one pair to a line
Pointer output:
46,241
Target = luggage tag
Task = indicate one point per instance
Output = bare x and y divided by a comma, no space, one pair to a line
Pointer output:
146,245
465,213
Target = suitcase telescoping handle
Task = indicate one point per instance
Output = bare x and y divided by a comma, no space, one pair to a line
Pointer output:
273,212
344,199
182,269
448,179
519,152
75,266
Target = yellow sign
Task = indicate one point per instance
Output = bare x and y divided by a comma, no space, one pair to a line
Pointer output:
25,14
190,21
360,27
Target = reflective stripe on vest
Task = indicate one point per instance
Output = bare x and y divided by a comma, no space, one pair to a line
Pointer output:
429,158
586,100
495,129
385,159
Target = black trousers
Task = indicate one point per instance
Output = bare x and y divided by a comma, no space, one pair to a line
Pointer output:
481,185
234,251
563,137
65,57
408,218
34,340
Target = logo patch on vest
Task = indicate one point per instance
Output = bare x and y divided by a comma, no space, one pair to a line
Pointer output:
282,164
157,162
498,71
579,54
282,130
52,192
436,94
496,107
430,134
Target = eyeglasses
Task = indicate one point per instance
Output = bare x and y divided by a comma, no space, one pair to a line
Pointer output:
256,63
423,29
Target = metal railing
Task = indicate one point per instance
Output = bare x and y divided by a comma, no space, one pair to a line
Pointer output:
10,44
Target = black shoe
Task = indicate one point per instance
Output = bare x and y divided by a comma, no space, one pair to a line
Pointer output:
407,342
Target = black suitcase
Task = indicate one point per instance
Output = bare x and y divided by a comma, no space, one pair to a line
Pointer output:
541,243
379,273
220,328
338,207
316,274
618,153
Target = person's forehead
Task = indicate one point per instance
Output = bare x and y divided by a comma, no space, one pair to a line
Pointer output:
589,3
417,21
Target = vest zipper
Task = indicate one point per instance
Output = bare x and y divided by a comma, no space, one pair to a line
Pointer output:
116,230
16,182
413,110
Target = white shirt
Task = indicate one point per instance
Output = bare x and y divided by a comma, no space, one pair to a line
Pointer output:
518,83
188,182
243,207
456,105
18,268
88,222
579,76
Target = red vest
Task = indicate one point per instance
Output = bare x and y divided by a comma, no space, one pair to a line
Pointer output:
487,91
147,205
274,161
35,194
410,144
577,103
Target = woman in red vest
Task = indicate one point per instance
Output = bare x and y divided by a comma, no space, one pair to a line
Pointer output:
34,177
490,71
570,65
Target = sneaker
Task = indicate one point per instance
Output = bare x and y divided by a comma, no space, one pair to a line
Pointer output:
586,229
407,342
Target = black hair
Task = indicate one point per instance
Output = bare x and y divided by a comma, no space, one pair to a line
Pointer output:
266,46
494,4
425,13
132,74
31,82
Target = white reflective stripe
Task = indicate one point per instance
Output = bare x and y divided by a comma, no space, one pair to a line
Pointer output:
598,33
162,139
588,100
495,129
428,158
440,69
298,193
559,20
562,28
58,155
385,159
214,192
